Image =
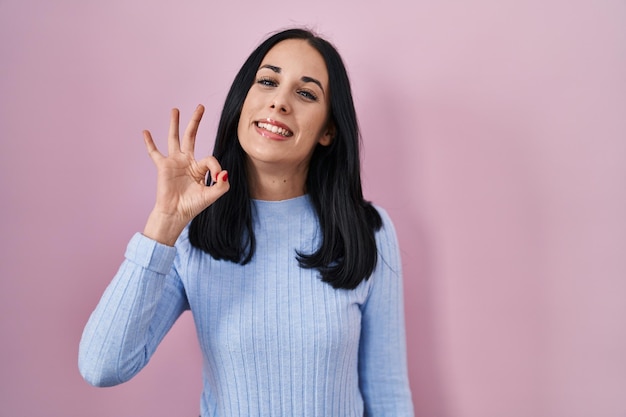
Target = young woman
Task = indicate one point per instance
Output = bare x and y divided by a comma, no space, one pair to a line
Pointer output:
293,279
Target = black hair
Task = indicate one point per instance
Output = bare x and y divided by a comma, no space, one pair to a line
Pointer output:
347,254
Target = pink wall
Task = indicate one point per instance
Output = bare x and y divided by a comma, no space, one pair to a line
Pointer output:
495,135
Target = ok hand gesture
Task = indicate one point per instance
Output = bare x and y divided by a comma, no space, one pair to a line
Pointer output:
182,191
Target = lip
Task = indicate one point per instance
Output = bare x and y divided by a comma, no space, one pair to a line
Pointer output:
271,135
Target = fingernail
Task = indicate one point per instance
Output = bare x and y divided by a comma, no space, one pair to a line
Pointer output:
225,178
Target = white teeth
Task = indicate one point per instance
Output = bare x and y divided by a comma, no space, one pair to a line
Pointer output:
274,129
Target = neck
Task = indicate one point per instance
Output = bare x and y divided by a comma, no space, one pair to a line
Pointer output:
275,184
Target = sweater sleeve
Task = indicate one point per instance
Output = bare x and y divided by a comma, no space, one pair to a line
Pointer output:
137,309
383,374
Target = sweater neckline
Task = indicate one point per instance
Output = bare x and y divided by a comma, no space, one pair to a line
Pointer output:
291,205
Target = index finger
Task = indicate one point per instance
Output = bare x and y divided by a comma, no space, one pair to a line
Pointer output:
189,138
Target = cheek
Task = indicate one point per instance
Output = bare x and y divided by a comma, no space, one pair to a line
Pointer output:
318,123
250,102
245,109
246,115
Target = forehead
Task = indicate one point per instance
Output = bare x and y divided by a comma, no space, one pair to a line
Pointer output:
297,58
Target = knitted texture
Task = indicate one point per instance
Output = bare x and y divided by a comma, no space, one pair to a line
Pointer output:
275,339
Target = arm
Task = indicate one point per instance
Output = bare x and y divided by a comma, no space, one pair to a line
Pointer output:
135,312
146,296
383,371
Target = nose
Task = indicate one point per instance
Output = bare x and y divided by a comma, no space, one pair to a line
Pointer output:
280,103
281,108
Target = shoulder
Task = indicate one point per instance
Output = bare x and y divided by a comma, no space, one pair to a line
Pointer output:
383,213
387,245
387,275
387,231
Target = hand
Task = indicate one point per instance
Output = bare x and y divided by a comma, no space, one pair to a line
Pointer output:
182,192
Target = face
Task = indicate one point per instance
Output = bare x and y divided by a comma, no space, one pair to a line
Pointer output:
285,114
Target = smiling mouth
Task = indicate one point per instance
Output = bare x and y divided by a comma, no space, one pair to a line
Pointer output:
274,129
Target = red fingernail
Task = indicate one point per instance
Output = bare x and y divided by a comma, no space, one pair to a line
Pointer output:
225,178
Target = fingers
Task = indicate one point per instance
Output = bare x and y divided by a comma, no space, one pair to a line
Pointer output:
173,142
218,189
218,176
213,167
189,138
150,146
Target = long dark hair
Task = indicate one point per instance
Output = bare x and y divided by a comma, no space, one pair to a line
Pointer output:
347,254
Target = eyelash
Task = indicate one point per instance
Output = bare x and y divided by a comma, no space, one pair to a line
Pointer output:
270,82
266,82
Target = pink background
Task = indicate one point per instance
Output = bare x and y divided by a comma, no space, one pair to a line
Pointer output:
495,135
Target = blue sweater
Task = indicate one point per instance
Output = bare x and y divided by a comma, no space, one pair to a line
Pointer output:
275,339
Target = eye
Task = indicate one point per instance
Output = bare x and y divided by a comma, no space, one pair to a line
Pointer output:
267,82
309,95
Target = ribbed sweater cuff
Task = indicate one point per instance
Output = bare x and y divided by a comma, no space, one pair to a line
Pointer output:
150,254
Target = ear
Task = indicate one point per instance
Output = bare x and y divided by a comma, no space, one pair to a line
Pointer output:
328,136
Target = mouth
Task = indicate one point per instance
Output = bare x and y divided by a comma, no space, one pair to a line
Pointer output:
273,127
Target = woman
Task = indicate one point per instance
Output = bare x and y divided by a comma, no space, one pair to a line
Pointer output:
292,278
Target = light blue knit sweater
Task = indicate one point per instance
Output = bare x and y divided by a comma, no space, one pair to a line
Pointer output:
276,340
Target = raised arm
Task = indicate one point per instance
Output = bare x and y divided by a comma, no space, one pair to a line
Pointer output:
146,295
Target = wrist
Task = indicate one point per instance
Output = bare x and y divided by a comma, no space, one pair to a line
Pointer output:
163,228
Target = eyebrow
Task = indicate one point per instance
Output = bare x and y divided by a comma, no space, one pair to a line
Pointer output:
305,78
